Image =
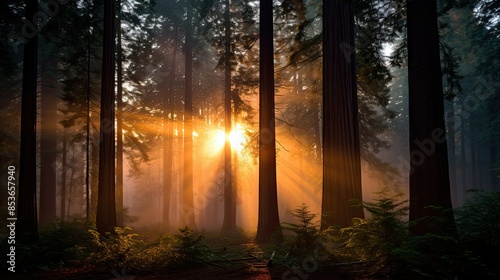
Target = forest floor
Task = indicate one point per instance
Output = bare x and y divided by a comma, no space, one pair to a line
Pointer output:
248,267
244,270
230,259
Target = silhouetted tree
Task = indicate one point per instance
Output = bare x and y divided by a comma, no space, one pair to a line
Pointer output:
268,218
188,207
229,222
429,174
168,125
27,222
106,210
341,146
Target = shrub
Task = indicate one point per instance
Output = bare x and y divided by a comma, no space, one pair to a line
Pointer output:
188,247
304,233
478,225
377,240
114,249
60,244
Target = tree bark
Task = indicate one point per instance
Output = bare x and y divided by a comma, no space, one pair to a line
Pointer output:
268,217
493,163
119,121
63,175
168,137
429,176
229,222
451,152
27,223
48,137
187,206
463,166
341,144
87,140
106,209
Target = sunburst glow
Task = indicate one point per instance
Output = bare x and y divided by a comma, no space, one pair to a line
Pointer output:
236,138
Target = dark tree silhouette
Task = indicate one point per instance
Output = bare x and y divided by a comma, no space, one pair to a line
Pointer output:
188,207
119,117
48,137
64,174
429,176
341,146
229,222
168,138
106,210
27,222
268,217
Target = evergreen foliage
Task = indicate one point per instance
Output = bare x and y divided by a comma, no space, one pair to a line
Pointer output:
304,233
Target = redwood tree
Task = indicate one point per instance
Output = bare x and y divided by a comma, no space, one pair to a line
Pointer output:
429,176
168,103
188,207
341,146
48,137
119,119
229,222
27,222
268,217
106,210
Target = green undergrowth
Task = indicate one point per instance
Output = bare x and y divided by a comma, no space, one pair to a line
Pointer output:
381,246
377,246
77,244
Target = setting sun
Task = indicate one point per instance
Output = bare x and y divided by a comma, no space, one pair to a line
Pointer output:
236,138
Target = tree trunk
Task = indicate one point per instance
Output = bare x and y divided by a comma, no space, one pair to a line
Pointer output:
180,164
341,146
87,140
429,176
493,163
48,137
268,217
70,191
187,206
229,222
27,223
168,138
63,175
106,210
463,167
473,154
119,120
451,152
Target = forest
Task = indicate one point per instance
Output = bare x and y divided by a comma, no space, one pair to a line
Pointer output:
250,139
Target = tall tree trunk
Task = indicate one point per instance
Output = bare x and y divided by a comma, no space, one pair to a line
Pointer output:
70,189
229,222
341,146
94,179
180,164
168,137
106,210
473,153
87,140
187,206
71,181
27,223
493,163
268,217
48,137
429,177
451,152
63,175
119,120
463,166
